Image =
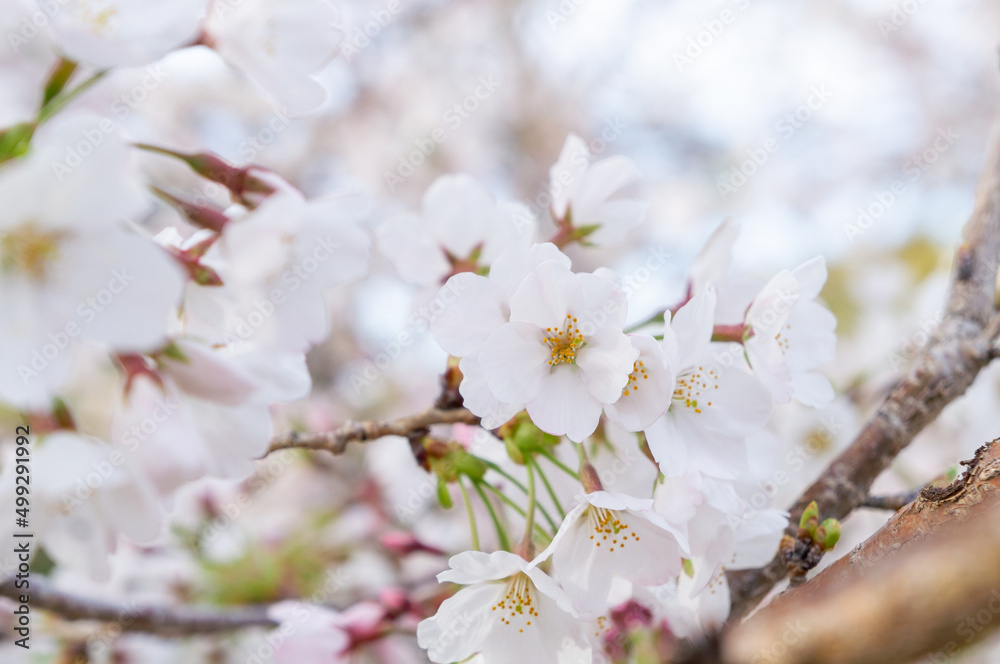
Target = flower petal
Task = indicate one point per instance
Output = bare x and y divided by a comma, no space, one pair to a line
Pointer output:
479,307
564,406
515,362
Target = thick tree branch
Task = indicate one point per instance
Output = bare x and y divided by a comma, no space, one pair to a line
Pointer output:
905,592
161,620
961,346
336,441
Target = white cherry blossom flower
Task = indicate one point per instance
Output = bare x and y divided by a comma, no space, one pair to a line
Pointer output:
711,265
84,494
650,387
714,406
279,44
206,415
69,271
461,228
585,193
562,354
510,612
725,532
315,634
482,304
791,335
108,33
607,536
275,263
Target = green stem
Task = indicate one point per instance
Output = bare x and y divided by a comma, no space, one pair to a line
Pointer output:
58,79
520,510
56,104
501,533
530,516
472,516
559,464
503,473
513,480
655,318
548,488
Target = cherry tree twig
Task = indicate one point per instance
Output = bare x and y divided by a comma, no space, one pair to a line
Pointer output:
160,620
336,441
963,343
187,620
892,502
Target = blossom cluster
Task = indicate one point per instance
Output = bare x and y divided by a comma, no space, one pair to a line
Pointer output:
546,348
207,321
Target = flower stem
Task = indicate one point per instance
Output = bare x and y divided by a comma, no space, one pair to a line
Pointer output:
529,519
57,103
548,488
559,464
655,318
472,515
520,510
500,471
61,73
513,480
501,533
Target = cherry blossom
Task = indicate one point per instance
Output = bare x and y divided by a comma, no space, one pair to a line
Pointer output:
482,305
107,33
84,494
585,193
69,269
206,412
563,354
650,387
725,532
310,634
790,335
275,263
607,536
280,44
714,406
510,612
461,228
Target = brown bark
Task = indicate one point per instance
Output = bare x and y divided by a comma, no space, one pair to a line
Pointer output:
162,620
336,441
926,582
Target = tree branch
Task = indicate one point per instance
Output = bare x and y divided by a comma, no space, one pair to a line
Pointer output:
186,621
905,592
891,502
336,441
161,620
960,347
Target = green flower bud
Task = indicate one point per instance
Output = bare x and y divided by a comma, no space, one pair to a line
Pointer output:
810,519
828,534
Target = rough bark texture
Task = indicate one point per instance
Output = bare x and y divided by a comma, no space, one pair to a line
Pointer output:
926,582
